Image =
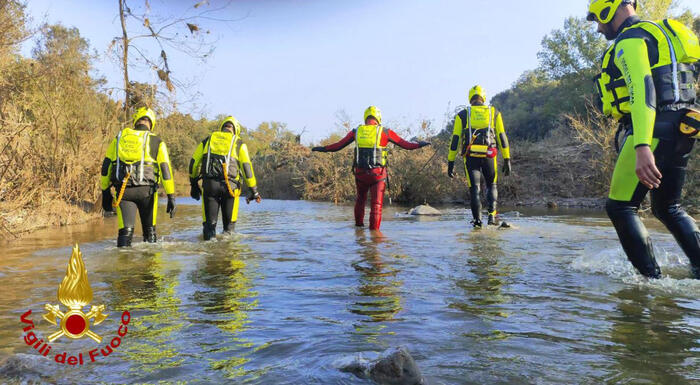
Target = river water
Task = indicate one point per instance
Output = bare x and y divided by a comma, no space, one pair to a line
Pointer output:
298,291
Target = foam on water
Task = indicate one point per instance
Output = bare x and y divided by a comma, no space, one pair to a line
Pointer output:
613,262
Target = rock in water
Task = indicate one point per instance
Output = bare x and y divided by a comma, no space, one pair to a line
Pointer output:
393,367
424,210
26,368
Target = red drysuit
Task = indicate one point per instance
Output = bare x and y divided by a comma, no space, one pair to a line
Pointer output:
373,179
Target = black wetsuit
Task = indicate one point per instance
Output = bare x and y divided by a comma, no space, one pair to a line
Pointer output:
476,168
215,194
145,200
672,154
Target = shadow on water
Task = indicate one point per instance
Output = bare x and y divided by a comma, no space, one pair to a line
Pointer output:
652,344
378,289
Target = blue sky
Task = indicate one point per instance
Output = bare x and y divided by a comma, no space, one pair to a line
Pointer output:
303,61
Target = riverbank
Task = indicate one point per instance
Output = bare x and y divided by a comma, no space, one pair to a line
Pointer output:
18,222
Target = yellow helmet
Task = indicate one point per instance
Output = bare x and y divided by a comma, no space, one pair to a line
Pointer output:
373,112
477,91
232,120
604,10
145,112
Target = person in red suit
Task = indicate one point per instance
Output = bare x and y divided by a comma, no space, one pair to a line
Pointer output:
369,164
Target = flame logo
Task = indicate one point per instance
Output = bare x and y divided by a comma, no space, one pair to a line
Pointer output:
75,291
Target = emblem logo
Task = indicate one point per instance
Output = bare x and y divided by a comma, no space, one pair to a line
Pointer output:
75,293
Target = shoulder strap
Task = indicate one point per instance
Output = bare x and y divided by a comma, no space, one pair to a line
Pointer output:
207,144
119,138
146,144
469,120
674,62
230,148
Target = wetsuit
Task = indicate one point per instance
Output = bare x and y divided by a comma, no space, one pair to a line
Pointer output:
636,87
369,167
207,164
478,131
143,157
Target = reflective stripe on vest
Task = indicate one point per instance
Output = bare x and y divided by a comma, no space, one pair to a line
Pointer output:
128,147
369,137
469,141
673,81
218,139
220,150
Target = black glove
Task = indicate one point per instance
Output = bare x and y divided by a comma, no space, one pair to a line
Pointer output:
319,149
423,144
254,195
107,200
451,169
195,191
171,205
506,167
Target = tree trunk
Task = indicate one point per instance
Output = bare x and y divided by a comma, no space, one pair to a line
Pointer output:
125,60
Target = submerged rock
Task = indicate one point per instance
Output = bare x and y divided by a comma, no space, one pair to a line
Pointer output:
26,368
424,210
393,367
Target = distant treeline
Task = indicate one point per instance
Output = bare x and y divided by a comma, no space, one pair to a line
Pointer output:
57,118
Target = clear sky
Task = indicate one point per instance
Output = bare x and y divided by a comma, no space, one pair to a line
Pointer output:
303,61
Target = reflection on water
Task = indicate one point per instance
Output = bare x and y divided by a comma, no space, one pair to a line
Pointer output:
652,343
378,288
148,289
551,301
488,273
226,299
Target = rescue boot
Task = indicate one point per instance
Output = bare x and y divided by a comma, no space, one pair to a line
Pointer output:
209,230
477,223
230,228
149,234
124,237
492,221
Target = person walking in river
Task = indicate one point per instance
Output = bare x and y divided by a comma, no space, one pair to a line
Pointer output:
478,131
136,162
369,162
222,162
648,85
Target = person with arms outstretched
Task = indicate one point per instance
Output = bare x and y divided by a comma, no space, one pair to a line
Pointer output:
369,162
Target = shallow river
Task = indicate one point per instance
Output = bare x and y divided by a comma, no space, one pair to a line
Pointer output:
298,291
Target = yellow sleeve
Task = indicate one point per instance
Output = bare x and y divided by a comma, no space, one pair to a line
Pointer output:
501,137
631,57
107,162
166,174
456,139
246,167
196,162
